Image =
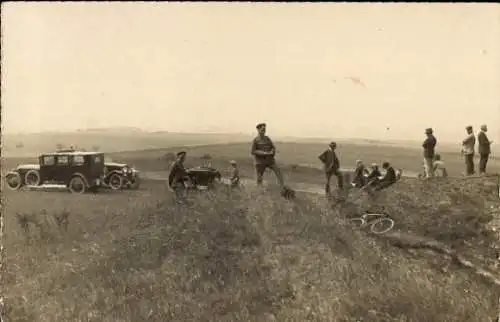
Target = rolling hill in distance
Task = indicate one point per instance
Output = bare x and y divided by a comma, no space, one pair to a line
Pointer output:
131,139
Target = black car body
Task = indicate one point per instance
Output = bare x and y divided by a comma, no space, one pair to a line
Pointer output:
79,171
121,175
203,177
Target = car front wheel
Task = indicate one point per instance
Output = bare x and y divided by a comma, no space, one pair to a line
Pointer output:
77,185
116,181
32,178
14,180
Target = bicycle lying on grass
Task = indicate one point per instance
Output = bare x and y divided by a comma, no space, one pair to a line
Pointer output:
379,223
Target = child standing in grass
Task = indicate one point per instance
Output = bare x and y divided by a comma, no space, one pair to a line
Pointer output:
235,174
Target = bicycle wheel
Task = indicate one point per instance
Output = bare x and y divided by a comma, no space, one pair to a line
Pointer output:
382,225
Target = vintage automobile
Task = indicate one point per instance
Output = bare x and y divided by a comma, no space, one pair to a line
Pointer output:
79,171
120,175
203,177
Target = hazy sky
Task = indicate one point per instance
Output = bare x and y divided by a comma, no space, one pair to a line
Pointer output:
226,67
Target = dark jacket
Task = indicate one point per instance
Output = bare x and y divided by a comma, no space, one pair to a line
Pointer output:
429,146
330,160
177,174
390,176
264,144
375,173
483,143
359,176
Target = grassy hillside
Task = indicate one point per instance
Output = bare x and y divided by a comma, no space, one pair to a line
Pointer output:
250,256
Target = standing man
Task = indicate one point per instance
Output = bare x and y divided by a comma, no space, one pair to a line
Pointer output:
331,166
263,150
468,150
484,148
178,176
429,146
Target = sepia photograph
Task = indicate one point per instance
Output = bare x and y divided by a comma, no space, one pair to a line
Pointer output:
239,161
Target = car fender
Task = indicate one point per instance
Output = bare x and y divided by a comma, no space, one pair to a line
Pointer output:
12,171
78,174
26,167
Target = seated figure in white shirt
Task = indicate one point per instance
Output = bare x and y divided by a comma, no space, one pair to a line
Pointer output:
439,166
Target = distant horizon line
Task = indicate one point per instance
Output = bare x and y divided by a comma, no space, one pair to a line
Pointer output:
151,131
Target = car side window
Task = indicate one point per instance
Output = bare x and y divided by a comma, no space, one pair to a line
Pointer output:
49,160
62,160
78,160
97,159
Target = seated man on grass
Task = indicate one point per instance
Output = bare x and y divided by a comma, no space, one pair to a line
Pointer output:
388,179
439,166
373,176
360,177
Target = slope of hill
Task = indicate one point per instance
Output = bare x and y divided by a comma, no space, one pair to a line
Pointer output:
247,256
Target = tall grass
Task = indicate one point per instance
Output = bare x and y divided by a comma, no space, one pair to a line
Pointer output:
243,256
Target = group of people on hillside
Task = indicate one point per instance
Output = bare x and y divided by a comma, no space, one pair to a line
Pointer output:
433,162
363,178
263,150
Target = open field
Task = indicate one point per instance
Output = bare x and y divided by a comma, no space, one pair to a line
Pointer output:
252,256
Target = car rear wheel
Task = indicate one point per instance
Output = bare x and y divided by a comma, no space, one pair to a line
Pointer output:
77,185
116,181
14,180
32,178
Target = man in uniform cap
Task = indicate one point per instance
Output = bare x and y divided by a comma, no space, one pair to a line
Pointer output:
263,150
484,148
468,145
331,166
429,146
178,176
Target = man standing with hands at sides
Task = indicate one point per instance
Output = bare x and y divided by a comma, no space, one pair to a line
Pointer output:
263,150
468,150
429,146
331,166
178,176
484,148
